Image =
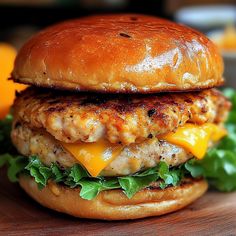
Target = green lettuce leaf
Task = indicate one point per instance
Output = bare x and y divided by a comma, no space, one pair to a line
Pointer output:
167,177
132,184
170,176
90,186
15,165
40,172
231,94
219,167
57,174
77,173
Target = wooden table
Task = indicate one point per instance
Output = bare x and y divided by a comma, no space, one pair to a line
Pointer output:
213,214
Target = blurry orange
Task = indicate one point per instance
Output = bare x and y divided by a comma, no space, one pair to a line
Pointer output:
7,88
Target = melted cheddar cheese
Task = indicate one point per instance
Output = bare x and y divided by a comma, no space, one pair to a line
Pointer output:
193,138
94,156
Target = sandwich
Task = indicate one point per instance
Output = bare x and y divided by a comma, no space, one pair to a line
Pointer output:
116,109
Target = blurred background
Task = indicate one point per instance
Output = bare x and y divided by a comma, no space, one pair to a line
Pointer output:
19,19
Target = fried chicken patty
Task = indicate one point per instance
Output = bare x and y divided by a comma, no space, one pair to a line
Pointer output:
126,119
132,158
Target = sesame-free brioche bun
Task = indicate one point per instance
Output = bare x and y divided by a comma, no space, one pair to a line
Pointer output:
119,53
113,204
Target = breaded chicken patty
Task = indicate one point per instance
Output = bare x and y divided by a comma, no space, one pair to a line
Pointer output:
131,159
126,119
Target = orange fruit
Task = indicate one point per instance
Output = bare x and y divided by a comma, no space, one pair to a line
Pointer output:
7,87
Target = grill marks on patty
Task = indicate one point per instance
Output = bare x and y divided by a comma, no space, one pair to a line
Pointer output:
87,117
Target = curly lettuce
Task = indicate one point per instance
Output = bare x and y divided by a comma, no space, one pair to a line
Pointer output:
90,186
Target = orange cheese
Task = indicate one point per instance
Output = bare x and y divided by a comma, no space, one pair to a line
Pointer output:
195,138
94,156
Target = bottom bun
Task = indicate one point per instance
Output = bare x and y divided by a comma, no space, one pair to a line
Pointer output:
113,204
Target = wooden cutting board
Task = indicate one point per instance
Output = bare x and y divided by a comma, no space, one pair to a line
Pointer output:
213,214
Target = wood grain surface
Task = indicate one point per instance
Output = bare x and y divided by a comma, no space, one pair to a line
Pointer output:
213,214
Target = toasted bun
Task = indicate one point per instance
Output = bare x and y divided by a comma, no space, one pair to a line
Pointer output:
119,53
113,204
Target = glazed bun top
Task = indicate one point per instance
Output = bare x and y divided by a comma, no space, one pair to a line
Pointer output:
119,53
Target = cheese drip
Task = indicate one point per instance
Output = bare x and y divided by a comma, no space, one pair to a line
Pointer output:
94,156
193,138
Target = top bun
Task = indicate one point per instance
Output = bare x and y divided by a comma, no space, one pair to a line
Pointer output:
119,53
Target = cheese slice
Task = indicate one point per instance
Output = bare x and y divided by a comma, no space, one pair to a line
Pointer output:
94,156
195,138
